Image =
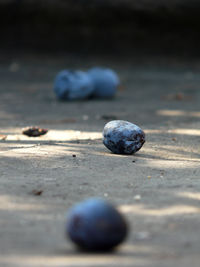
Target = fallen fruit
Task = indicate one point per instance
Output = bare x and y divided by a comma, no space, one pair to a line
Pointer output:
123,137
72,85
96,225
105,82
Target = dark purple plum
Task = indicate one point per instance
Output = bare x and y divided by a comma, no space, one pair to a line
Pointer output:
96,225
123,137
105,82
73,85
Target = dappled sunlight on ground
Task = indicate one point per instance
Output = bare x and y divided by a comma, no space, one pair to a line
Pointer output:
128,255
168,154
9,203
77,260
42,150
168,112
172,164
56,135
190,195
192,132
178,131
167,211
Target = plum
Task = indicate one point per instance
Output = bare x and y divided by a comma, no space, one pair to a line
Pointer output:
123,137
96,225
72,85
105,82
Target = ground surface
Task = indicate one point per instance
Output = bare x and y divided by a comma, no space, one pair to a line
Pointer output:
158,188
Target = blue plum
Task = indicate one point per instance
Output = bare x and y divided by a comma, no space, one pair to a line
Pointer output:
105,82
72,85
96,225
123,137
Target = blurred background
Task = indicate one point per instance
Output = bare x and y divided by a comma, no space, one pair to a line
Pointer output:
123,27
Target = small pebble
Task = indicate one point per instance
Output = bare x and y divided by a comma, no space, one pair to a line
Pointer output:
137,197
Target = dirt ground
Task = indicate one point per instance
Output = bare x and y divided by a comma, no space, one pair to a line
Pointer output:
158,188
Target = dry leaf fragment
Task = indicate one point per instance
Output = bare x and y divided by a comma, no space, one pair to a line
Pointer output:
34,131
3,137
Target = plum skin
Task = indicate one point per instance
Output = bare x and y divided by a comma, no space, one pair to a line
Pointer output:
123,137
72,85
96,225
105,82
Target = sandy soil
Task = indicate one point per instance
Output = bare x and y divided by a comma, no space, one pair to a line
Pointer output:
158,188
